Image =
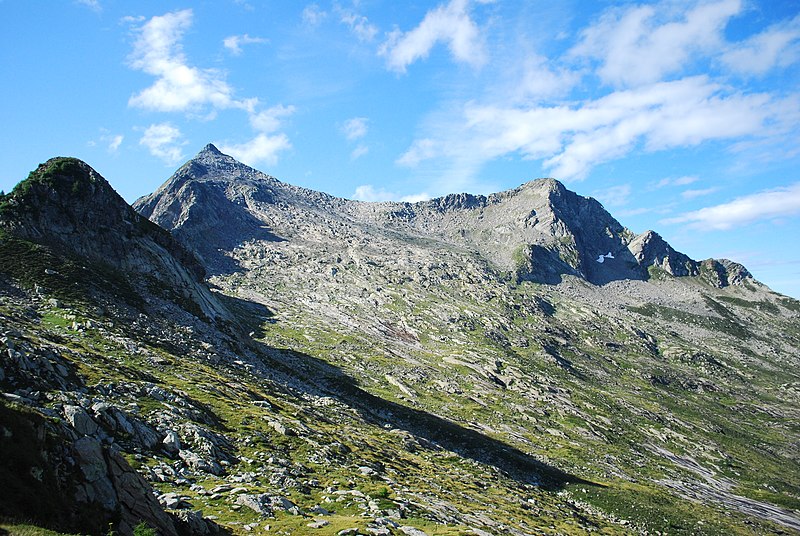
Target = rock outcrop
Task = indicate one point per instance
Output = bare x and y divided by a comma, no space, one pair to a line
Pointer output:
56,477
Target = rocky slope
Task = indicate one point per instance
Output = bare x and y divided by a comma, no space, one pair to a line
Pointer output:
465,365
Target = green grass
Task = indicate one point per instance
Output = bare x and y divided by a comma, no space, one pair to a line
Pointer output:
12,528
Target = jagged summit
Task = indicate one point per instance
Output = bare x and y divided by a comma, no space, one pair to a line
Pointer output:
211,149
539,231
65,202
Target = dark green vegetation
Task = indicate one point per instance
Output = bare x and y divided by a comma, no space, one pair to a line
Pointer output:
342,377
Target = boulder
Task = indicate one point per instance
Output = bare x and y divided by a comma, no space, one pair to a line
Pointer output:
77,417
171,442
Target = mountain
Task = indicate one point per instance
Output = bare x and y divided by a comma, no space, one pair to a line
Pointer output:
517,363
538,231
68,207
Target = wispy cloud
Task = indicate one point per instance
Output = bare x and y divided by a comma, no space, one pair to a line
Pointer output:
572,140
94,5
114,142
644,43
615,196
234,42
263,149
359,25
677,181
355,128
777,46
768,204
164,141
359,151
368,192
313,15
692,194
179,86
111,141
420,150
450,24
271,119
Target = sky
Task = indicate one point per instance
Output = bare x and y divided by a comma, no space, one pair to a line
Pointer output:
679,116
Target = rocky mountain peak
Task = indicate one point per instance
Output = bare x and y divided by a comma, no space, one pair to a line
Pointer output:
211,149
540,230
71,209
63,201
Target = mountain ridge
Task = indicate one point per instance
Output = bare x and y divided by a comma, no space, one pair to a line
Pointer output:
552,221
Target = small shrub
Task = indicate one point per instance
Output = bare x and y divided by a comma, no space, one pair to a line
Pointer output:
143,529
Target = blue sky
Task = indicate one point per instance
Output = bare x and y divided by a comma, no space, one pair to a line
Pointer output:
679,116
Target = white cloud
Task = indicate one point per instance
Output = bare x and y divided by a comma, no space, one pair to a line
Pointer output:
536,78
677,181
234,42
359,151
769,204
270,120
692,194
644,43
571,140
164,141
777,46
420,150
359,25
313,15
450,24
114,142
355,128
367,192
178,86
111,141
261,149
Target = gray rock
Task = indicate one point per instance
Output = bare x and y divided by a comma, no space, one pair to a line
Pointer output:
193,522
174,501
137,502
261,504
77,417
412,531
197,463
98,487
267,505
171,442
